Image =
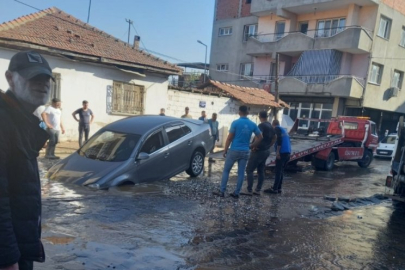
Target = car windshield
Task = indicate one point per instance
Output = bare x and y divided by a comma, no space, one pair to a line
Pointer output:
388,140
110,146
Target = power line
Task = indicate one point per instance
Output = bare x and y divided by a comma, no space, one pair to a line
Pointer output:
144,47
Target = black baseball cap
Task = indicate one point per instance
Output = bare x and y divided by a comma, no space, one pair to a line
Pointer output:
29,64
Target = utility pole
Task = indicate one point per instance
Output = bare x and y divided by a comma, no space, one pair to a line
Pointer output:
277,76
88,13
129,27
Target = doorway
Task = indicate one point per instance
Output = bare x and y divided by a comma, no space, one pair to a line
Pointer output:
303,27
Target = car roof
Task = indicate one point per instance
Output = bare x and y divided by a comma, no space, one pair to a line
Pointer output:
140,124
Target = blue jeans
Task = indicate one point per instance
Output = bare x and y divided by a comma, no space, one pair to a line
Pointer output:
235,156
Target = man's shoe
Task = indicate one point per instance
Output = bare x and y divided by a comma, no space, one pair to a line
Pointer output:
218,193
54,157
48,157
272,191
233,195
247,193
256,193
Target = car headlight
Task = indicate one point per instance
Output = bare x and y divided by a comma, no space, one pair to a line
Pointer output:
95,186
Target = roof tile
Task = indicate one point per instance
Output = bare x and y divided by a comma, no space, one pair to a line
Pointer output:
50,28
247,95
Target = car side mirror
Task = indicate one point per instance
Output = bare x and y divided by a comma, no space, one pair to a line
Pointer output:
143,156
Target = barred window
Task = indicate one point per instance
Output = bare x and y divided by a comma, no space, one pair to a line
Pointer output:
55,88
127,98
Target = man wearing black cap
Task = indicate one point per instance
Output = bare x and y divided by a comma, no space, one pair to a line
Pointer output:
21,138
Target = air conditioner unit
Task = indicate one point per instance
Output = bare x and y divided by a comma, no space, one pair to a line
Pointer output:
394,91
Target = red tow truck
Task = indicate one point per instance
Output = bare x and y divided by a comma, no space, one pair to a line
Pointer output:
321,141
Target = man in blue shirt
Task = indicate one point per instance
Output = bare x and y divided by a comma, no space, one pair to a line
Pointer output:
283,152
214,129
203,116
239,135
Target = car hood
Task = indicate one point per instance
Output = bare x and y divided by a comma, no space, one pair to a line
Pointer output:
386,146
81,170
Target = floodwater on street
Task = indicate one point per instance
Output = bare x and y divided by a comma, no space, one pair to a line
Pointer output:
179,224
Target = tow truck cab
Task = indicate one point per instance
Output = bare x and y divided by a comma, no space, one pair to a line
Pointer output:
358,131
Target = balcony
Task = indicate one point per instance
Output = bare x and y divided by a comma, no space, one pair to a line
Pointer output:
351,39
288,8
345,86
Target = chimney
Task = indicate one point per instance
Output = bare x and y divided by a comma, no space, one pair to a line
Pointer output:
137,39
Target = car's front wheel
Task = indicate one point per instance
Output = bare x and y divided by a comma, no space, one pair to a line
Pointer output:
196,164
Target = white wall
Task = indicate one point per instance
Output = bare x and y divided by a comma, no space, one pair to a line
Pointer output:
226,108
83,81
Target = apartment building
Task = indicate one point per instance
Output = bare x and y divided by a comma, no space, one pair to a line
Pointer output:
337,57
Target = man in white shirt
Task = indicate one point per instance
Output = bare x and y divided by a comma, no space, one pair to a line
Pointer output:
53,121
38,113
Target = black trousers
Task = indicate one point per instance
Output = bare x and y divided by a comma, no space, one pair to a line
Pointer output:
25,265
86,130
280,165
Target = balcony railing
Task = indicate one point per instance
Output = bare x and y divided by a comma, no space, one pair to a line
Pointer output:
314,33
309,79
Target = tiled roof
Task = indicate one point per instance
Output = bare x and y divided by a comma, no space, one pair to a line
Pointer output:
55,29
247,95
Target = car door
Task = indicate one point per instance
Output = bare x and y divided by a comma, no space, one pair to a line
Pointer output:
157,166
180,146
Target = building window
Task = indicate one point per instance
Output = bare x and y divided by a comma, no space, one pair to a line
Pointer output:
225,31
402,42
280,29
249,31
397,79
376,73
55,87
309,110
248,1
127,98
246,70
329,28
222,67
385,27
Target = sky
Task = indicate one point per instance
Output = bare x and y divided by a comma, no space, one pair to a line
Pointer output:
167,27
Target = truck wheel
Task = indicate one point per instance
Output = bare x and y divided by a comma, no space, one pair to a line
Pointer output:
367,158
196,164
330,162
319,164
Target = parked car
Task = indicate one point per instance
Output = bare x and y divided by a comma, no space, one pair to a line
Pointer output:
386,146
137,149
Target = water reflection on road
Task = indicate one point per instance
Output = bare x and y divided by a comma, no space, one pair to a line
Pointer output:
178,224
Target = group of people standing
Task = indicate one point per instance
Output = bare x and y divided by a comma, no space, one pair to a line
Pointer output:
213,122
253,156
51,120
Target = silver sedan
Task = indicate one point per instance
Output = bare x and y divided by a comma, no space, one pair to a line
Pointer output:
137,149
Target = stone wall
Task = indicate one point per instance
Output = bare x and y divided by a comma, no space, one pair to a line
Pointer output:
226,108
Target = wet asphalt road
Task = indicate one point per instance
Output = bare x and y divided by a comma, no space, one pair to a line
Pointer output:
179,224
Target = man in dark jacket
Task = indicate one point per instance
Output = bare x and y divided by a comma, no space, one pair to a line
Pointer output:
21,138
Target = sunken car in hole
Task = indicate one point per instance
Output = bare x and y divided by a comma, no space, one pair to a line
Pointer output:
137,149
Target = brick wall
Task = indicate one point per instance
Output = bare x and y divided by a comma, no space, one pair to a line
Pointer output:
396,4
245,12
227,9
